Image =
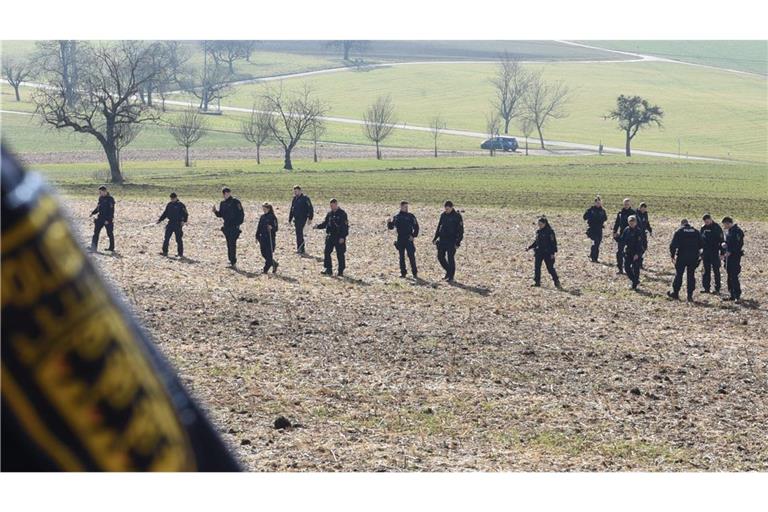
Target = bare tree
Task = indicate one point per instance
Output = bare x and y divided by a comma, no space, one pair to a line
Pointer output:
228,52
492,128
16,73
634,113
379,121
109,78
348,46
168,60
526,127
209,84
187,129
510,84
257,128
58,61
293,115
545,101
436,127
317,130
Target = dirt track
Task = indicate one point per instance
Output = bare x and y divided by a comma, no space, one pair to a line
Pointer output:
388,374
326,151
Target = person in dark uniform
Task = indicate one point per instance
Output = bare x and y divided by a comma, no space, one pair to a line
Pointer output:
177,216
712,237
645,227
336,226
544,250
301,212
105,218
631,240
448,237
231,210
407,230
685,250
266,233
619,227
733,250
596,219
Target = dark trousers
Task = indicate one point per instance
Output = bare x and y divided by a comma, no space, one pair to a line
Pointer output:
549,261
110,226
711,261
689,269
632,268
596,237
231,234
331,244
173,229
267,246
620,256
645,249
299,223
733,268
403,247
446,255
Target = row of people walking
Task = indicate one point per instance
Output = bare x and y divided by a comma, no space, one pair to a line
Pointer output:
689,246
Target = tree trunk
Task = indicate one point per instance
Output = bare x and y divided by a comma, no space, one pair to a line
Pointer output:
378,151
627,149
506,125
231,67
204,101
435,148
541,136
114,162
149,94
288,165
16,90
186,156
314,152
258,155
346,52
526,146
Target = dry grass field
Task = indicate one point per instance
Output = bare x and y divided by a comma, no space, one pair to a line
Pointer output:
379,373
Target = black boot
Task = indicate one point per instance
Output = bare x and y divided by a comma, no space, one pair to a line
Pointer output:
673,295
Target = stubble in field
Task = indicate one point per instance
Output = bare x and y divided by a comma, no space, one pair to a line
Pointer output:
382,373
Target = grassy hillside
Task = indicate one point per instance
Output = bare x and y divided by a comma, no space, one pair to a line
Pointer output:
446,50
713,113
540,183
750,56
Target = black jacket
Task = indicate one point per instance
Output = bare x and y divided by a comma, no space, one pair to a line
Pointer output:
231,210
596,217
105,208
712,236
406,224
622,222
262,233
450,229
301,209
336,224
734,240
632,238
643,222
545,243
686,244
175,212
